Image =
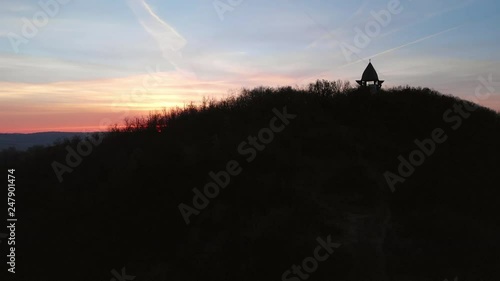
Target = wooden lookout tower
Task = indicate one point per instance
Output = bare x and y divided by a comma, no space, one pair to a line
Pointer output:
370,79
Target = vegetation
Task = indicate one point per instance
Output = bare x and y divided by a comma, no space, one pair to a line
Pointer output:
322,175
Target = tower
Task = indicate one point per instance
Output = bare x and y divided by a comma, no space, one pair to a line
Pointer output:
370,78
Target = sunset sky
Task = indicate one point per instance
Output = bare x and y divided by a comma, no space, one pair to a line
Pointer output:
77,65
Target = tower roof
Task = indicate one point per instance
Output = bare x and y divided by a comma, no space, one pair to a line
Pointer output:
370,74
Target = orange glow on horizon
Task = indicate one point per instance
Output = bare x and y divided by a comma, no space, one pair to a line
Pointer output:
76,106
83,105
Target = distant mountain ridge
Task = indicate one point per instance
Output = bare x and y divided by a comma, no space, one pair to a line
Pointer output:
25,141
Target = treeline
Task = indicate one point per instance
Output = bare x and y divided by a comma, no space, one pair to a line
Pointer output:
322,175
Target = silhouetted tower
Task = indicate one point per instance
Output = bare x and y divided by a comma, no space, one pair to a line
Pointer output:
370,79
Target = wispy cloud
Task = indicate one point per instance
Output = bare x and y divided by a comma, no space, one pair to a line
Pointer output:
96,51
82,104
37,69
169,40
402,46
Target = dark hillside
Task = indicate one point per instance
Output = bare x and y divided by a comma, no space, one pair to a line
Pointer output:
319,168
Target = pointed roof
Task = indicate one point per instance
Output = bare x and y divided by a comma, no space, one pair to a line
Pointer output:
370,74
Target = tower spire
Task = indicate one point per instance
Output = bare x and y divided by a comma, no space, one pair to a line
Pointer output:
370,78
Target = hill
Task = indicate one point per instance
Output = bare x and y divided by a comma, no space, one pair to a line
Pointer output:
25,141
322,183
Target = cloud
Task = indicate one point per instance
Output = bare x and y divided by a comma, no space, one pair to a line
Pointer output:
83,104
32,69
168,39
402,46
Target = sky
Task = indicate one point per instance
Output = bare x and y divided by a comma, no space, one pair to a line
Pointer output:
82,65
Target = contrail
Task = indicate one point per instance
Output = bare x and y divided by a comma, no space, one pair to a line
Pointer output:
388,51
168,39
404,45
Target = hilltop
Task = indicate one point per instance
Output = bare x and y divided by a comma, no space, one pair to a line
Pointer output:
404,183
